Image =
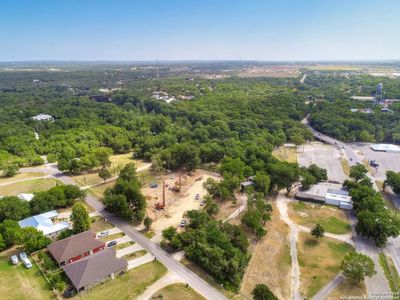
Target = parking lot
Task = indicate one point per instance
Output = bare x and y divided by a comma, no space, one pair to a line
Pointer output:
387,161
325,156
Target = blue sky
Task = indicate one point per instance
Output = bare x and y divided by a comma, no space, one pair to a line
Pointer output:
201,29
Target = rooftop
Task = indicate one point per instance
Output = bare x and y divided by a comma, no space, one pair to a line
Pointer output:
73,246
385,147
94,268
44,223
42,117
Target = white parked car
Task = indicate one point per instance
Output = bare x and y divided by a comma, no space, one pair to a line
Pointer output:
103,233
14,259
27,263
22,256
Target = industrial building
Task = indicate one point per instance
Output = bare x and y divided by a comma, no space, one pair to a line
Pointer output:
385,148
327,193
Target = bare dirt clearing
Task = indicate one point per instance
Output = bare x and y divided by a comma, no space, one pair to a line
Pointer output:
271,71
177,203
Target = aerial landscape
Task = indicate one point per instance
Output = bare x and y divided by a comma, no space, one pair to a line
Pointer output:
185,150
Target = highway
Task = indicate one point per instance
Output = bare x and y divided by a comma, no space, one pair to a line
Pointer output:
194,281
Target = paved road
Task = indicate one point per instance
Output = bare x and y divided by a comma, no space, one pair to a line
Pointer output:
187,275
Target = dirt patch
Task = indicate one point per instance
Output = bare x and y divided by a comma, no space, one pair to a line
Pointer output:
288,154
334,220
270,263
177,203
319,261
348,289
271,71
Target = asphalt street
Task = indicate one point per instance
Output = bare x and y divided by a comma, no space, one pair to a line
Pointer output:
194,281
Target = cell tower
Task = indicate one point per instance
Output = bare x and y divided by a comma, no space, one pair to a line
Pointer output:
378,99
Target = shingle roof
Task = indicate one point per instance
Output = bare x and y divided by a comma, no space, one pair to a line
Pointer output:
74,246
94,268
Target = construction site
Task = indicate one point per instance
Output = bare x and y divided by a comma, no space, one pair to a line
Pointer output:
172,195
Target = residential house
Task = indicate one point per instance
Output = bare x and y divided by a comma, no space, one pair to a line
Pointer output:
94,269
76,247
44,223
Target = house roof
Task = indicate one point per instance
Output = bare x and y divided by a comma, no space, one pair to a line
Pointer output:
25,196
75,245
94,268
44,223
41,117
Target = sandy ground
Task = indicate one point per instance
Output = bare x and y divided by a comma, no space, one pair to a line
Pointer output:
325,156
176,203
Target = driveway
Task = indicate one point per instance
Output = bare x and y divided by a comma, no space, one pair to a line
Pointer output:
128,250
134,263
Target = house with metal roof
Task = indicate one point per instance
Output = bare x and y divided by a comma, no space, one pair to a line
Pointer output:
43,117
25,196
75,247
94,269
44,223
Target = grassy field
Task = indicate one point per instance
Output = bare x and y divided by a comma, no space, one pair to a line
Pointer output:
178,291
319,261
288,154
124,245
334,220
129,285
112,237
19,283
98,224
270,262
135,254
348,290
345,166
29,186
100,189
390,272
21,176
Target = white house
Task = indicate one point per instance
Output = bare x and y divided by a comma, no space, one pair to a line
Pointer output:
44,223
338,198
43,117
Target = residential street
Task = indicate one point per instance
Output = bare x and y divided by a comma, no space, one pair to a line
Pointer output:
197,283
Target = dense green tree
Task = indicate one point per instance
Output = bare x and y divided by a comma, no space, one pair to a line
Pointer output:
3,244
13,208
80,218
147,223
356,266
32,239
358,172
262,292
9,231
318,231
393,180
104,174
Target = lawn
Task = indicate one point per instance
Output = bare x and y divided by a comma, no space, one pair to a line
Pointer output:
319,261
270,262
129,285
112,237
29,186
99,224
135,254
100,189
124,245
18,283
288,154
332,219
178,291
390,272
21,176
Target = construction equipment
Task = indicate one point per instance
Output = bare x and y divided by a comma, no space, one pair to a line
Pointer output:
161,205
178,185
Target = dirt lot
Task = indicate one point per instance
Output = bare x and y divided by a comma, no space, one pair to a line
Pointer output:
270,263
176,203
334,220
325,156
348,289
